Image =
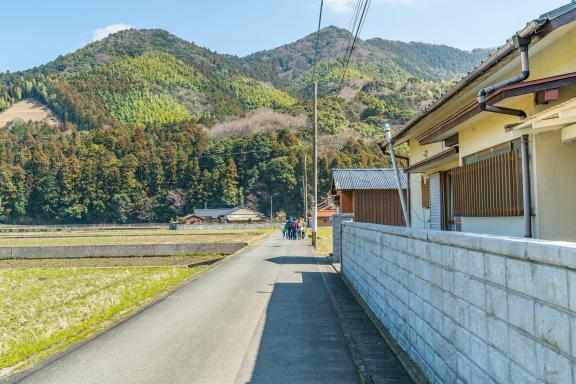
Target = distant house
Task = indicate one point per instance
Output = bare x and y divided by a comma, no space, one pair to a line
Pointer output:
326,209
496,153
193,219
227,215
371,195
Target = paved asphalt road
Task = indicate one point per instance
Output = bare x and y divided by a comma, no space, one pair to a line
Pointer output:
264,316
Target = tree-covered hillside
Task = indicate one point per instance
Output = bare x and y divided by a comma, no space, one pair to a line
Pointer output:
154,126
140,77
397,59
385,80
153,174
430,61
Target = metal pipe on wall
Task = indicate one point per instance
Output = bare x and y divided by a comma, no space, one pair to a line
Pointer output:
523,44
526,191
405,211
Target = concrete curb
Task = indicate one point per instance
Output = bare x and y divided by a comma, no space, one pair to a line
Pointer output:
365,377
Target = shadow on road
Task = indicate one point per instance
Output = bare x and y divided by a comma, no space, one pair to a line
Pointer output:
302,341
300,260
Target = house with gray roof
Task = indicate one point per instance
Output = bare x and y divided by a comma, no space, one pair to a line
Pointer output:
224,215
371,195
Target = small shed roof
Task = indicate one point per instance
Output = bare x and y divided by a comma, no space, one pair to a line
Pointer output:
376,178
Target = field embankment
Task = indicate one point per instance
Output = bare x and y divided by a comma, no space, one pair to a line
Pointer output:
127,237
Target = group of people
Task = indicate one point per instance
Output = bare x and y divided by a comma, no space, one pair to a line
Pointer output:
294,229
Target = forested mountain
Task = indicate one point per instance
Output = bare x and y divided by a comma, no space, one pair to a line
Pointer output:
394,60
153,126
430,61
140,77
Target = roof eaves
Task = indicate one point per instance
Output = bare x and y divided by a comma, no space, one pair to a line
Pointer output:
494,59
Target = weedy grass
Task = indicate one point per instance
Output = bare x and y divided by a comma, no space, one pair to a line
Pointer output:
40,308
126,238
324,241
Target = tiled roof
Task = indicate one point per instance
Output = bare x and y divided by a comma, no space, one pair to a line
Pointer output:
214,213
377,178
494,59
329,213
559,11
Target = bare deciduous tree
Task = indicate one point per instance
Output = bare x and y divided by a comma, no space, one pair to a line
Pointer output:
259,120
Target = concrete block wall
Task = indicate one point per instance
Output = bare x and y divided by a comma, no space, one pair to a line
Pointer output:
469,308
337,221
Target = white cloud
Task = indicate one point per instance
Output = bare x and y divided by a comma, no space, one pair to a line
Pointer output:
102,33
346,6
338,5
396,1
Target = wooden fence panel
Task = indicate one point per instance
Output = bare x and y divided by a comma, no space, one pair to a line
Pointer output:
378,207
490,187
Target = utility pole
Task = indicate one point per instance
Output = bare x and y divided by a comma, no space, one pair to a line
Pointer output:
271,212
315,169
305,188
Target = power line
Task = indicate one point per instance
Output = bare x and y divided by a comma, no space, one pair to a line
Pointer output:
359,26
352,28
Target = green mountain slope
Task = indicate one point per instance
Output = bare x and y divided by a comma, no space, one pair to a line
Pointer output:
430,61
141,77
385,80
386,58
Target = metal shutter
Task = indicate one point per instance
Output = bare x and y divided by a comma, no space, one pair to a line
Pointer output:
435,202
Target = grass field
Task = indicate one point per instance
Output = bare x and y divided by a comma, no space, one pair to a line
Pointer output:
43,239
324,241
48,304
40,308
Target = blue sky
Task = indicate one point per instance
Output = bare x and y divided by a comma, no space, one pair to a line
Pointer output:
34,32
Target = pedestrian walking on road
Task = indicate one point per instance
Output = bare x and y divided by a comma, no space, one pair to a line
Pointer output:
294,230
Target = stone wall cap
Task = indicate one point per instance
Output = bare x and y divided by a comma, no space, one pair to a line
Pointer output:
558,253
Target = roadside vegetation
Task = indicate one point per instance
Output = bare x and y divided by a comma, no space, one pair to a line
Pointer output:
324,244
42,308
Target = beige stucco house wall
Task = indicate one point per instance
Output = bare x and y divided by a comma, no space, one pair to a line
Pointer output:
552,162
